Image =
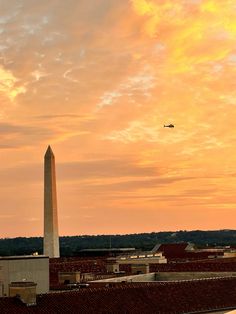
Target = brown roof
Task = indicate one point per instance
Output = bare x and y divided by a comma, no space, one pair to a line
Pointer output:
159,298
173,249
178,251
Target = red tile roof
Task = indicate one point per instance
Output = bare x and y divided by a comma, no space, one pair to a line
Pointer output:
159,298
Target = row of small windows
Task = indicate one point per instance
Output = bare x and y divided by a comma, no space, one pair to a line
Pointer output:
141,256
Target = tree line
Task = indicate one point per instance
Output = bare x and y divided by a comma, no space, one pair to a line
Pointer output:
72,245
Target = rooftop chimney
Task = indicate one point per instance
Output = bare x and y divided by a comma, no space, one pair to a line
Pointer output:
24,290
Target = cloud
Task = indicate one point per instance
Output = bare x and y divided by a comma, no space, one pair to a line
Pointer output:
185,29
107,168
98,82
141,83
126,187
22,135
6,216
9,86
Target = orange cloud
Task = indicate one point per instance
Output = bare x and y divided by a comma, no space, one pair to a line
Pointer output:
186,33
8,85
98,83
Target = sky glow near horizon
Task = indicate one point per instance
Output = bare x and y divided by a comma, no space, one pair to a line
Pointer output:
97,80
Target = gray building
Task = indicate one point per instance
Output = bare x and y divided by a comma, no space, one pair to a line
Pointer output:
24,268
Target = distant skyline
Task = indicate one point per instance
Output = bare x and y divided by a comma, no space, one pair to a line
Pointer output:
97,80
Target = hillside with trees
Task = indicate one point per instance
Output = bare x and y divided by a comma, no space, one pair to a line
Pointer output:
72,245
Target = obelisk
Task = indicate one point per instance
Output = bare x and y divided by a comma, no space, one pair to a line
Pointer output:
51,240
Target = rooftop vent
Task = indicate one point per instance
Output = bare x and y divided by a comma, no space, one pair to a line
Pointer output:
24,290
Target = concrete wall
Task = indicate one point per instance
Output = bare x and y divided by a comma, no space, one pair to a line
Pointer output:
149,260
71,277
139,269
170,276
229,254
1,289
1,282
167,276
26,291
112,268
30,269
133,278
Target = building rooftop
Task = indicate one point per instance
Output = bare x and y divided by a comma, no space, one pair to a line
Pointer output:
22,257
110,249
162,298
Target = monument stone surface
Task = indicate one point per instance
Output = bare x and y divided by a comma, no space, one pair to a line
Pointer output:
51,239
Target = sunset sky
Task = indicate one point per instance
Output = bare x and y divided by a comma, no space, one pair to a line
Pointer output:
97,80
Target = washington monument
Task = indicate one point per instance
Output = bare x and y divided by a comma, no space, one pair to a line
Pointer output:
51,240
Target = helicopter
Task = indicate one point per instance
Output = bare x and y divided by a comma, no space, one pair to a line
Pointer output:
169,126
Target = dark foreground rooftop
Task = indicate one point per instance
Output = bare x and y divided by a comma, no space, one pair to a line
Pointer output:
160,298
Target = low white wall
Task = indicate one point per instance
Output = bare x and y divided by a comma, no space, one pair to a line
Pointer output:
170,276
167,276
133,278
